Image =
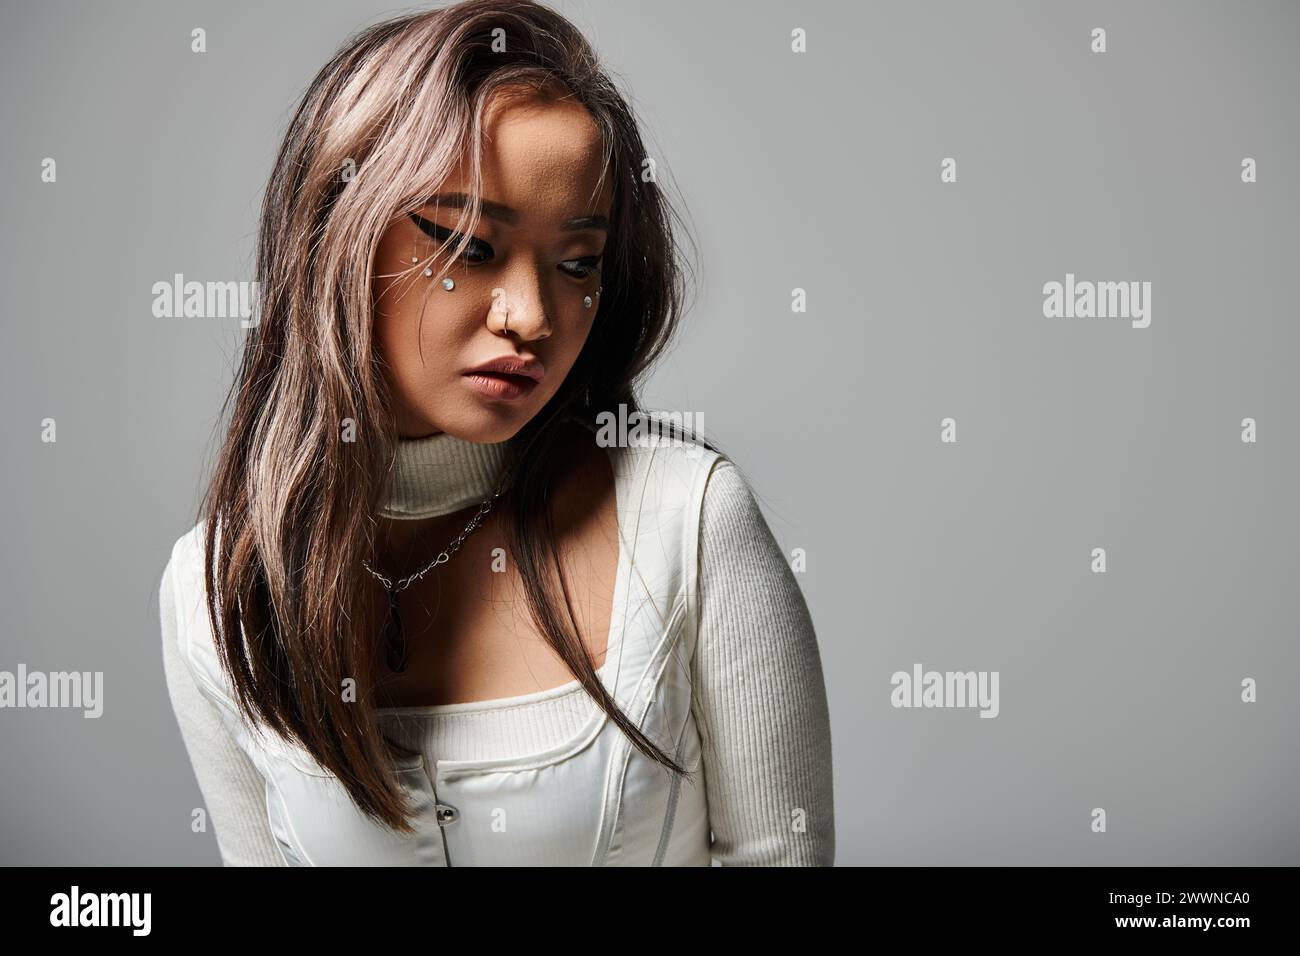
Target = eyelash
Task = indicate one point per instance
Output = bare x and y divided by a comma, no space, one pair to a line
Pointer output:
591,264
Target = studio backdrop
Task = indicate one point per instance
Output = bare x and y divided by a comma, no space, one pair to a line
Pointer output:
994,304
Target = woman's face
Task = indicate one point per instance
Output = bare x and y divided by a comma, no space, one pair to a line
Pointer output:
518,288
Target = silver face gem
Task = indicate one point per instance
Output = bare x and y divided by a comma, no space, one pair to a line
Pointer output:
446,283
586,301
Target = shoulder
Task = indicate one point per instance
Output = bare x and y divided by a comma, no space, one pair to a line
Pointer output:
183,608
729,500
184,566
735,538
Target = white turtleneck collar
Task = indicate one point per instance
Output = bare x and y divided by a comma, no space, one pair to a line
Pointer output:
440,474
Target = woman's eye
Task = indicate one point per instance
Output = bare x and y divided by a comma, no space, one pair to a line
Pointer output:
475,252
582,268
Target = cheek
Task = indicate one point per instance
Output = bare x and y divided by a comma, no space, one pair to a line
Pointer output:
408,313
571,334
420,337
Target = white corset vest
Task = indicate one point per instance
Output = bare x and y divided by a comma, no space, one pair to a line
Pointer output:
595,800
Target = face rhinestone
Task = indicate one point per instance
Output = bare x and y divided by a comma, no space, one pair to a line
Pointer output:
586,301
446,283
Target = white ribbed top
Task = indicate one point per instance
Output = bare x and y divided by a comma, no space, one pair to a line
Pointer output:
759,698
485,729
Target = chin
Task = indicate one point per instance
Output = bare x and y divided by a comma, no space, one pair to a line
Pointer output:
487,424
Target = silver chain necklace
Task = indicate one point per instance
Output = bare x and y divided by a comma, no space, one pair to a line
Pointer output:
394,637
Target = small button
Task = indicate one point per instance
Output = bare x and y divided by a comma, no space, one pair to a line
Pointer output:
446,814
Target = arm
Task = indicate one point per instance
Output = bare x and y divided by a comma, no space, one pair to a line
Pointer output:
759,697
233,790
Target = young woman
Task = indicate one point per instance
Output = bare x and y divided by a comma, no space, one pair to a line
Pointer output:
432,614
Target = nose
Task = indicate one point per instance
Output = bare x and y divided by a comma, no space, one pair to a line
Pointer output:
524,314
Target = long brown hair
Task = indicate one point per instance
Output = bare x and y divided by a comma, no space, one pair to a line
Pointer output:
291,509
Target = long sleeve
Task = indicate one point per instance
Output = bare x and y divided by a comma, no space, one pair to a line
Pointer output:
233,790
760,696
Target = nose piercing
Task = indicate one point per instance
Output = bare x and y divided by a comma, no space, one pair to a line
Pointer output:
449,284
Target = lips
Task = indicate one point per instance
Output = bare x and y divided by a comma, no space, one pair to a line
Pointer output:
522,369
520,381
506,377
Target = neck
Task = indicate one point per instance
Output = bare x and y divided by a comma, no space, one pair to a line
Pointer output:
438,482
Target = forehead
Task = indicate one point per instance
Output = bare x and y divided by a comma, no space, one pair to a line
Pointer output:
542,156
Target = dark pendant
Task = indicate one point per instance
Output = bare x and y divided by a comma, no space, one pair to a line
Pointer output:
394,639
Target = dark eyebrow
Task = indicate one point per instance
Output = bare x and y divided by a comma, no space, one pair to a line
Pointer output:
495,210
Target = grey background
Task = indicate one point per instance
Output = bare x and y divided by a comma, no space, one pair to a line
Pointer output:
817,171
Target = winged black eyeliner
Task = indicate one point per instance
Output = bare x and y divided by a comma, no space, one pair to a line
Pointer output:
443,234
